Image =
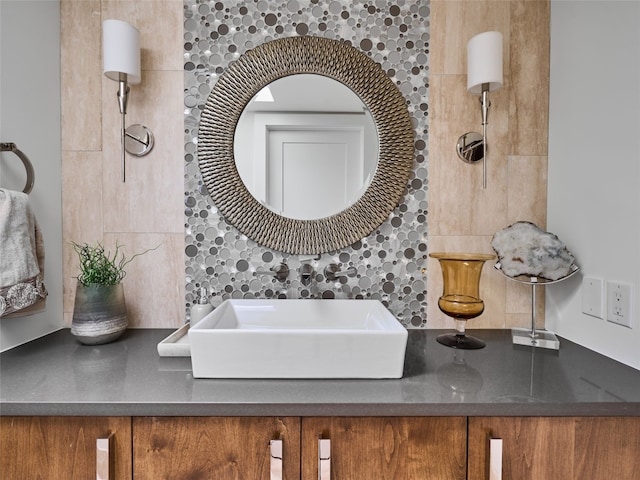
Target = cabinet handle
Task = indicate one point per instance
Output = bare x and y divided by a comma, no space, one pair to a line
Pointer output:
104,462
324,459
495,459
275,450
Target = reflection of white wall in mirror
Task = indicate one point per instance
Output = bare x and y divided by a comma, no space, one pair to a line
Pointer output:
307,93
264,95
304,102
313,173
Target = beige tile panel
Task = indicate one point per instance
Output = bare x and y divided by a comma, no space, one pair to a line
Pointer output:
160,25
68,298
523,320
81,72
492,283
527,194
458,204
154,285
519,300
529,74
67,318
82,207
453,23
152,197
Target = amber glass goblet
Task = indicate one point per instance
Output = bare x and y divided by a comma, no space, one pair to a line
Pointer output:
461,295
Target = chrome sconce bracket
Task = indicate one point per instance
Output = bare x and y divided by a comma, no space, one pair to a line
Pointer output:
138,140
472,146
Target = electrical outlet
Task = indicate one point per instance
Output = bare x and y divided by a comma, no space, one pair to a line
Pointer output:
619,303
593,297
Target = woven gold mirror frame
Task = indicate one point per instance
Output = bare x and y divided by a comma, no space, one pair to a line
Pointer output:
246,77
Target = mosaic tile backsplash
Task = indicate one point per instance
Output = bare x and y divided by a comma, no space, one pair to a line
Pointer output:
391,261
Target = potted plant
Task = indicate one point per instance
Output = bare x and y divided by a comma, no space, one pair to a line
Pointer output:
100,312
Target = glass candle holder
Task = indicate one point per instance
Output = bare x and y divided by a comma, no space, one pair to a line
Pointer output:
460,297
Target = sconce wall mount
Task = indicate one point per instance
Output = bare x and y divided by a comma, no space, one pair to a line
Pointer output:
484,75
121,63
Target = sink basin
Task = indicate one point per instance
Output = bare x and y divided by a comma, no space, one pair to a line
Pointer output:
298,339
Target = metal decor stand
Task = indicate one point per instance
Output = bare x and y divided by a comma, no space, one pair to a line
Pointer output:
531,336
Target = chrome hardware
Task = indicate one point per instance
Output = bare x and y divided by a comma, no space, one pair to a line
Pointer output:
495,459
470,147
275,452
306,274
31,175
332,272
104,462
138,140
280,272
324,459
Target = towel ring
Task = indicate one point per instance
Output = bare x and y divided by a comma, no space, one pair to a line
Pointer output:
31,175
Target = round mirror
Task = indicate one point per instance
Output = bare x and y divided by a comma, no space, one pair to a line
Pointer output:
235,89
306,147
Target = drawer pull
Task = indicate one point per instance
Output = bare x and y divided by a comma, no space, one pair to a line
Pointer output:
275,452
324,459
104,460
495,459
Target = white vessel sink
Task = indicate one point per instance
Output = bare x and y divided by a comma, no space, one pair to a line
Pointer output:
298,339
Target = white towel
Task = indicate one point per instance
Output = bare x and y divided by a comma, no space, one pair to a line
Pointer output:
21,254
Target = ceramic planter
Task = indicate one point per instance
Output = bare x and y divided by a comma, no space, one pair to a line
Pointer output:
99,314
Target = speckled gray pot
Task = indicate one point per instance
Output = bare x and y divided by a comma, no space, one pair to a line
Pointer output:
99,314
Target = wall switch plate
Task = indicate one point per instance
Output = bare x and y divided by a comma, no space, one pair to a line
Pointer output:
593,297
619,303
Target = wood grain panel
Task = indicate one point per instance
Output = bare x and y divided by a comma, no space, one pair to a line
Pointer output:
608,448
528,67
61,447
533,447
230,448
387,447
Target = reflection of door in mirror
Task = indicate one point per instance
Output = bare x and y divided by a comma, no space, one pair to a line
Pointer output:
313,173
310,150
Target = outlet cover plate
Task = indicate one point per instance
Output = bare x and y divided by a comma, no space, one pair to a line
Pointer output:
593,297
619,303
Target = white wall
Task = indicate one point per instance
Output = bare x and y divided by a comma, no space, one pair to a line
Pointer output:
30,118
594,163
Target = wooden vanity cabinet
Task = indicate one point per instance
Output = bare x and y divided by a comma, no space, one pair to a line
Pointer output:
58,448
532,447
213,447
562,448
361,447
387,448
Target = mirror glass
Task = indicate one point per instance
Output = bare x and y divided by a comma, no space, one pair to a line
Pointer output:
306,147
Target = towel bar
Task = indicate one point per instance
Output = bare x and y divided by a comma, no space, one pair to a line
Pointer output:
31,175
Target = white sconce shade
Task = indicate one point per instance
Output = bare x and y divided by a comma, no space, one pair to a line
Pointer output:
121,50
484,62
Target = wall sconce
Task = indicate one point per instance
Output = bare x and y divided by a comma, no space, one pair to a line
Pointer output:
484,75
121,62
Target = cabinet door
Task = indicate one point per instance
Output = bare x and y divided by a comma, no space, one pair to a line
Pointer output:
533,447
404,448
227,448
607,448
62,447
597,448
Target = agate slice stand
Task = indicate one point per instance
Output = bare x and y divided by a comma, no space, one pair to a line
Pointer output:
531,336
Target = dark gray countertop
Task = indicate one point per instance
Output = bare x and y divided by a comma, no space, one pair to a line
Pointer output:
56,375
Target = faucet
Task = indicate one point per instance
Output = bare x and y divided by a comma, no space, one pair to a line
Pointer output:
332,272
306,274
279,272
